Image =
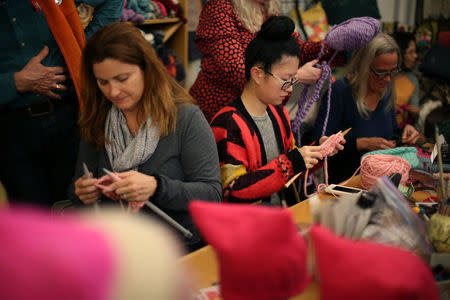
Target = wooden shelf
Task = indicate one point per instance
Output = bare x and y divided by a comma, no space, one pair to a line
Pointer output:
159,21
175,32
171,30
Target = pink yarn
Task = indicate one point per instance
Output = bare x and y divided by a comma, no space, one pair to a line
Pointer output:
378,165
327,148
107,180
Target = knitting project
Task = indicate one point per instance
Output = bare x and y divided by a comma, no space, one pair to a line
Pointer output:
349,35
327,148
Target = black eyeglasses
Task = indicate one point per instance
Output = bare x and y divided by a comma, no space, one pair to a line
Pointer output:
285,84
382,75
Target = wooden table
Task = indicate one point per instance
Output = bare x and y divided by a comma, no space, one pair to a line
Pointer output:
203,262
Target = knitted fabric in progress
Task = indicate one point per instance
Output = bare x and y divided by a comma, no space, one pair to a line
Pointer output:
327,148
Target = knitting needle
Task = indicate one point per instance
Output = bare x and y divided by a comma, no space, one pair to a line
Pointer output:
113,175
443,195
346,131
158,211
162,214
296,176
88,175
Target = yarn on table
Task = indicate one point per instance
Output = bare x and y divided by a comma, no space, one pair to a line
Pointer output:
407,153
349,35
378,165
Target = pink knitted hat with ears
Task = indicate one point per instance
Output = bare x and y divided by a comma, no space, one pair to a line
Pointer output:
352,34
46,257
260,252
350,269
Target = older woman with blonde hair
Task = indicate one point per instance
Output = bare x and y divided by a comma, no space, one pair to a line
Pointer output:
225,29
364,101
143,126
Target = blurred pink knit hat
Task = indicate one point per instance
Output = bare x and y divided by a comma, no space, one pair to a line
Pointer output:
260,251
350,269
46,257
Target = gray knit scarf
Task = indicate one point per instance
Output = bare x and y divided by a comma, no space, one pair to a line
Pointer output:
126,152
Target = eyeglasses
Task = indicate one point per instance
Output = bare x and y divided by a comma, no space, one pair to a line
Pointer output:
285,84
382,75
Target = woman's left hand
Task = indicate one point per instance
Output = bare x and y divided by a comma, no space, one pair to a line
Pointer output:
134,186
410,135
339,147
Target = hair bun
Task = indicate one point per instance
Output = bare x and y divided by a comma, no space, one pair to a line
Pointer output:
277,28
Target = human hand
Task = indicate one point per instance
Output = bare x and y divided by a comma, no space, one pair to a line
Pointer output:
86,190
410,135
39,79
339,147
374,143
309,74
311,155
134,186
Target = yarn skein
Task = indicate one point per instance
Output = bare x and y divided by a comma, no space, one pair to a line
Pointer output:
410,154
378,165
349,35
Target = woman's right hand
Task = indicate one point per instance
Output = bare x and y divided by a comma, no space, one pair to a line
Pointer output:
311,155
86,190
308,74
374,143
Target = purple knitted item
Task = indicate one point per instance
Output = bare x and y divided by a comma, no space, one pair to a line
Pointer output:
349,35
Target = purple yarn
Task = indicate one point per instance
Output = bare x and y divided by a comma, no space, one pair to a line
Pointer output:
349,35
353,33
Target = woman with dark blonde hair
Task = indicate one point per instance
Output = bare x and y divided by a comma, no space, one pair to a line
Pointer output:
364,101
140,124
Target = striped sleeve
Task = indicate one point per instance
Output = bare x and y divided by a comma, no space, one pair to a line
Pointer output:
244,178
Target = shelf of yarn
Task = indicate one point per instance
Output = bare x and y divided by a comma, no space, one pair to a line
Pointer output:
169,26
175,32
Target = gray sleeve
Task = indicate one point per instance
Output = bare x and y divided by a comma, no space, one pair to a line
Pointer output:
200,163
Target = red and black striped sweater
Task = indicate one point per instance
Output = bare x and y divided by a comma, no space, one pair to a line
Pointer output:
246,175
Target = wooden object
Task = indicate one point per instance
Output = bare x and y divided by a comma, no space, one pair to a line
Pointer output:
175,32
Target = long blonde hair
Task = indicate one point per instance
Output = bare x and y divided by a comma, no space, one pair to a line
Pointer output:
249,12
125,43
359,69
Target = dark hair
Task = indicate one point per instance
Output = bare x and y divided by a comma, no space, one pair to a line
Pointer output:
125,43
274,40
403,40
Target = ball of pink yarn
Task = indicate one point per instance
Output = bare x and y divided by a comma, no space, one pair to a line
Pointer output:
378,165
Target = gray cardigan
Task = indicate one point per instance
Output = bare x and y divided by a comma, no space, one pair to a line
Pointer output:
185,163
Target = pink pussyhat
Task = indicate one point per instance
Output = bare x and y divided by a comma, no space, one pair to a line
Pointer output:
46,257
350,269
260,251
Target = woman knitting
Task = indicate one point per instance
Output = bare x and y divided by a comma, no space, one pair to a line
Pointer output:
364,101
253,133
140,124
225,29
